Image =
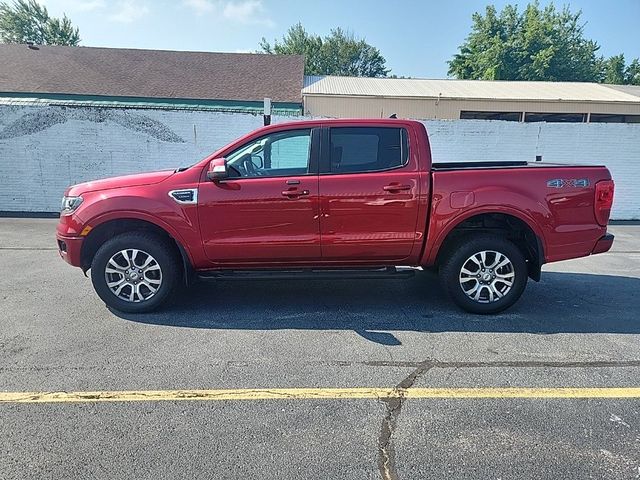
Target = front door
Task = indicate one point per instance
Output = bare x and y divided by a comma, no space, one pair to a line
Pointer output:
369,186
267,211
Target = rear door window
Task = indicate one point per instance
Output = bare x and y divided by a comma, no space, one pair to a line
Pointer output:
366,149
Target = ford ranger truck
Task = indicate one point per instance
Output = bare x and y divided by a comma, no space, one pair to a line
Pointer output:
334,198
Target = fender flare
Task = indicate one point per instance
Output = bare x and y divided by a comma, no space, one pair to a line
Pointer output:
144,216
432,250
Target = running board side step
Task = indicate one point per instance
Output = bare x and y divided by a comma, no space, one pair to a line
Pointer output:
309,274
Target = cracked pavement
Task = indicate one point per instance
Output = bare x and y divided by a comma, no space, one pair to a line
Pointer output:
579,327
386,451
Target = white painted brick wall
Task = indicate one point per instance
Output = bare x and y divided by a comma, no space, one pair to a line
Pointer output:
615,145
45,149
41,157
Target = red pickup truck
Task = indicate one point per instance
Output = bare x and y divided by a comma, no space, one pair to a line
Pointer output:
334,198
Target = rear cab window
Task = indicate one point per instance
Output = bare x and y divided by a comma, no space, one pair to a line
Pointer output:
366,149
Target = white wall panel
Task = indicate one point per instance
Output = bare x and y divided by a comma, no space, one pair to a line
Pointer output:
612,144
45,149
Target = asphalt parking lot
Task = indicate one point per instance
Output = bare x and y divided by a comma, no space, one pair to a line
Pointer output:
579,327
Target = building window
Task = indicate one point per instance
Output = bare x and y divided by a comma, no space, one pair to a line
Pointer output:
550,117
509,116
606,118
555,117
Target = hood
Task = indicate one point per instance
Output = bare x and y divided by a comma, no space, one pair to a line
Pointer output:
136,180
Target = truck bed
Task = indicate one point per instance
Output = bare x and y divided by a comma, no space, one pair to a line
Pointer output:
445,166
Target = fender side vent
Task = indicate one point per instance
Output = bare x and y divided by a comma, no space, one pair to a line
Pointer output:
185,196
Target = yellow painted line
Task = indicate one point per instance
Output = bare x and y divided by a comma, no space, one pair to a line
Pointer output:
315,393
524,392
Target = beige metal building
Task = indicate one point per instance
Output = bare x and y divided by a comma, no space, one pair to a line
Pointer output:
470,99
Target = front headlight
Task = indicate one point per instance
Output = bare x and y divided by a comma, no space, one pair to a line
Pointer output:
70,205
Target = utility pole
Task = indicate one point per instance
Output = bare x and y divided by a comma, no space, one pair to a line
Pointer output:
267,111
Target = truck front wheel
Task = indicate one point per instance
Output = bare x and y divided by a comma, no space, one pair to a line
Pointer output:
135,272
484,274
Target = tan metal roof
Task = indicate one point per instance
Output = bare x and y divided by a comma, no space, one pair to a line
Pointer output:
465,89
630,89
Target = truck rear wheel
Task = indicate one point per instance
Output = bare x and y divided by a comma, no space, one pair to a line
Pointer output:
135,272
484,274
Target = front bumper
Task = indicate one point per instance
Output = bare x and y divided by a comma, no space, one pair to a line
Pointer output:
603,245
70,249
70,233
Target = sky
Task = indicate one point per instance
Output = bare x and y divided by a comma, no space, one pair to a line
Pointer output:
416,37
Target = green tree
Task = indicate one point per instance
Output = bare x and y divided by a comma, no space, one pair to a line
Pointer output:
339,53
27,21
298,41
632,73
613,69
535,44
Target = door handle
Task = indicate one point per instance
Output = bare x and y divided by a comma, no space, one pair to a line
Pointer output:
295,193
396,187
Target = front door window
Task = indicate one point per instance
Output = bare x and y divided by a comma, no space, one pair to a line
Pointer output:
281,154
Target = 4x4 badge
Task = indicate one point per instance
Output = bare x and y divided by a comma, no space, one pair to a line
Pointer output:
573,182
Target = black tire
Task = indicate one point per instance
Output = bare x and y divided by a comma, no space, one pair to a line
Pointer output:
460,254
159,249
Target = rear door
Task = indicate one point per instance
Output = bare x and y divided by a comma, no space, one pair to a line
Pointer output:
369,189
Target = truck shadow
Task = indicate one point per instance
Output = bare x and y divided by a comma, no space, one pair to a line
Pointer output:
561,303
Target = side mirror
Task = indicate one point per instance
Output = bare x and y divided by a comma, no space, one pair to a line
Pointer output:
217,170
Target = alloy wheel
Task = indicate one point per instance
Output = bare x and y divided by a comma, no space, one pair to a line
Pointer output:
133,275
487,276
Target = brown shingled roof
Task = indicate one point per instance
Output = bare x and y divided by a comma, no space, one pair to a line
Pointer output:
150,73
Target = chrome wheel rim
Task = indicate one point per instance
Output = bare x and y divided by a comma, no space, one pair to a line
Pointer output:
487,276
133,275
